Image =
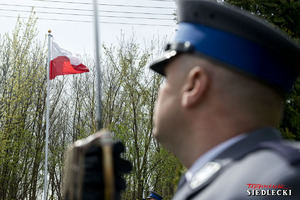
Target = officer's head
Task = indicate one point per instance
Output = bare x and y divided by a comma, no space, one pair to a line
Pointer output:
221,51
236,39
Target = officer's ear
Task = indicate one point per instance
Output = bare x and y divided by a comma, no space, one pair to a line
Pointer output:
194,87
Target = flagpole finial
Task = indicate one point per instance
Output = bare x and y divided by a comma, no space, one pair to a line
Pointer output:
49,31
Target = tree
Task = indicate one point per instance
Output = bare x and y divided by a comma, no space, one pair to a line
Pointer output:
128,96
22,62
23,93
130,91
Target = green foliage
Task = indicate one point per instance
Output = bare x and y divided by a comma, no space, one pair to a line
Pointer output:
282,13
128,95
21,78
130,91
290,125
23,62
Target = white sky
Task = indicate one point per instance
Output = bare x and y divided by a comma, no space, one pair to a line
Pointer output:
71,21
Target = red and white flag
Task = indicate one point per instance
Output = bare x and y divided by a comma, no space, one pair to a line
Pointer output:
65,62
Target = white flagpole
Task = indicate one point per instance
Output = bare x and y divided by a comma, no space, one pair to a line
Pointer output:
47,115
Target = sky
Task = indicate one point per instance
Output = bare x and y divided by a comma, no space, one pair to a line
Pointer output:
72,26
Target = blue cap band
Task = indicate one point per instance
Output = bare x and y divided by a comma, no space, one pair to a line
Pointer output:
239,53
155,196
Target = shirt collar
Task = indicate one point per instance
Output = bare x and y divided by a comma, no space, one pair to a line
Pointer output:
210,155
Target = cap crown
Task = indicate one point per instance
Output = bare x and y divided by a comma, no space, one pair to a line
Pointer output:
240,23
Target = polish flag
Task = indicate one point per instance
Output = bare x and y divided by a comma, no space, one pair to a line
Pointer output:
65,62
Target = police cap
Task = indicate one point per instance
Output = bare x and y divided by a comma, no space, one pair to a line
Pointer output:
154,195
235,38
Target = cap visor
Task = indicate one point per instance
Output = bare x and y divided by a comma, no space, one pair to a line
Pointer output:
160,63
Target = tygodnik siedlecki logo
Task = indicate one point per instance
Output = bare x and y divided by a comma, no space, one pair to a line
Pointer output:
268,190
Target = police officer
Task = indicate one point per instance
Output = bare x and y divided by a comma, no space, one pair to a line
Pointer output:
227,73
154,196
